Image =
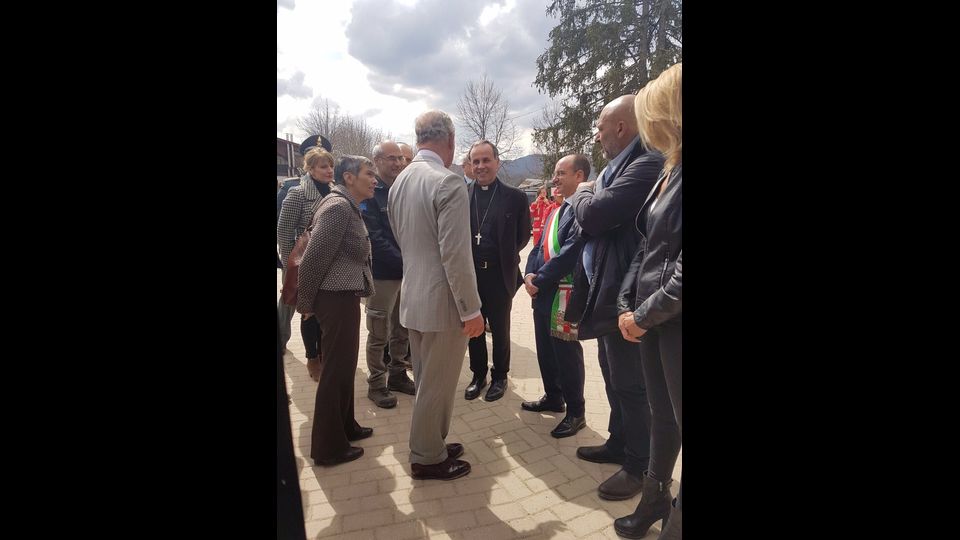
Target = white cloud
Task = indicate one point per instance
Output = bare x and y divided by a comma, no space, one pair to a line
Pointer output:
294,87
490,12
392,60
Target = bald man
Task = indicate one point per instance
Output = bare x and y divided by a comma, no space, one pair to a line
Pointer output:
605,211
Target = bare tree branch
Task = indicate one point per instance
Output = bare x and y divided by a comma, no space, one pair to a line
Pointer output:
483,115
348,134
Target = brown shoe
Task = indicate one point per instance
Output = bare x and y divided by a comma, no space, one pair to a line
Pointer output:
445,470
399,382
454,450
382,397
313,368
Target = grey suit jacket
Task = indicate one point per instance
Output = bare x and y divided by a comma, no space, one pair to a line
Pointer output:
430,214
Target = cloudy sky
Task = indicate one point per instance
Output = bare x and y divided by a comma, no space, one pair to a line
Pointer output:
390,60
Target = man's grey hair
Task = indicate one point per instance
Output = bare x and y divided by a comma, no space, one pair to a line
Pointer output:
433,125
349,164
377,150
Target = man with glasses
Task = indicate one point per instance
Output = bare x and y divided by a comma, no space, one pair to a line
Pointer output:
387,372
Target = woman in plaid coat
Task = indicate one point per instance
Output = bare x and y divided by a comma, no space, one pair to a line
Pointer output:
334,273
296,214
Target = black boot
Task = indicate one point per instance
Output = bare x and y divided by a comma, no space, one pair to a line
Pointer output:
654,506
671,531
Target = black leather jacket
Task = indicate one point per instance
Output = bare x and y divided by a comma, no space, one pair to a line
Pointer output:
652,287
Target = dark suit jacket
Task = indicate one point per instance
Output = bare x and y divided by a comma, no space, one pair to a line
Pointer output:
549,274
609,217
512,229
387,262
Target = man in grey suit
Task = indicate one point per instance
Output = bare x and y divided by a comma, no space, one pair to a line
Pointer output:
439,302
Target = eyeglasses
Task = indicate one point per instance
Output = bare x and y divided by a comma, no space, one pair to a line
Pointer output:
393,159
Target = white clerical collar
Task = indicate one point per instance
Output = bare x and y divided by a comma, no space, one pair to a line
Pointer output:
486,187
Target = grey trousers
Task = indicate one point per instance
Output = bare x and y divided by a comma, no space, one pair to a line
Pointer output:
383,325
437,362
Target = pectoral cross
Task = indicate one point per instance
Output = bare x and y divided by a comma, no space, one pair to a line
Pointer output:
478,237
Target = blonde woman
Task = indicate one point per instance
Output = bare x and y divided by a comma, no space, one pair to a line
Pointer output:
296,214
650,306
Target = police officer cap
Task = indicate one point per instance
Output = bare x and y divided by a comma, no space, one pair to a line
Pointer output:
311,141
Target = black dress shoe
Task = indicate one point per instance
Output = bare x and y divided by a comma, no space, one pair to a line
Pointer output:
361,433
445,470
543,404
622,485
476,385
600,454
454,450
353,453
569,426
496,390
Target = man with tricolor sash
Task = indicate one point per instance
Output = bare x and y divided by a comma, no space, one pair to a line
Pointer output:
549,280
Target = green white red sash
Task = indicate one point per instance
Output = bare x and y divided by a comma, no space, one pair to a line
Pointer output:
559,328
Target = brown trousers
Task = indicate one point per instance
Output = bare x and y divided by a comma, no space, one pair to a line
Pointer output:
339,318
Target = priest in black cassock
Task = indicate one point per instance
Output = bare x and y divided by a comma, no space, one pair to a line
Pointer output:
499,228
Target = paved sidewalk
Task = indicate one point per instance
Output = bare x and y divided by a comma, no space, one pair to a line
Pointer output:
524,483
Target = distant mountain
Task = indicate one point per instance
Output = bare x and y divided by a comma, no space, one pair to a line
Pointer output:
517,170
514,171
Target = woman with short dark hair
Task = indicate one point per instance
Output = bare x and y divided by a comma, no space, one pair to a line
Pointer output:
334,273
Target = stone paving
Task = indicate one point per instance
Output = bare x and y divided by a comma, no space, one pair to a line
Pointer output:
523,483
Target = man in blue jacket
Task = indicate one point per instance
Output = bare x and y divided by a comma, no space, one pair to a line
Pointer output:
387,372
548,280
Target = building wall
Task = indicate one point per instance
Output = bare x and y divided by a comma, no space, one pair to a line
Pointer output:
288,158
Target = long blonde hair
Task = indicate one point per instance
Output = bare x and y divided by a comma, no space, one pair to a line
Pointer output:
658,107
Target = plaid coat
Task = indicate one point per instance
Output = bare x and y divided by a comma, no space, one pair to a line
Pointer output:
296,213
338,257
